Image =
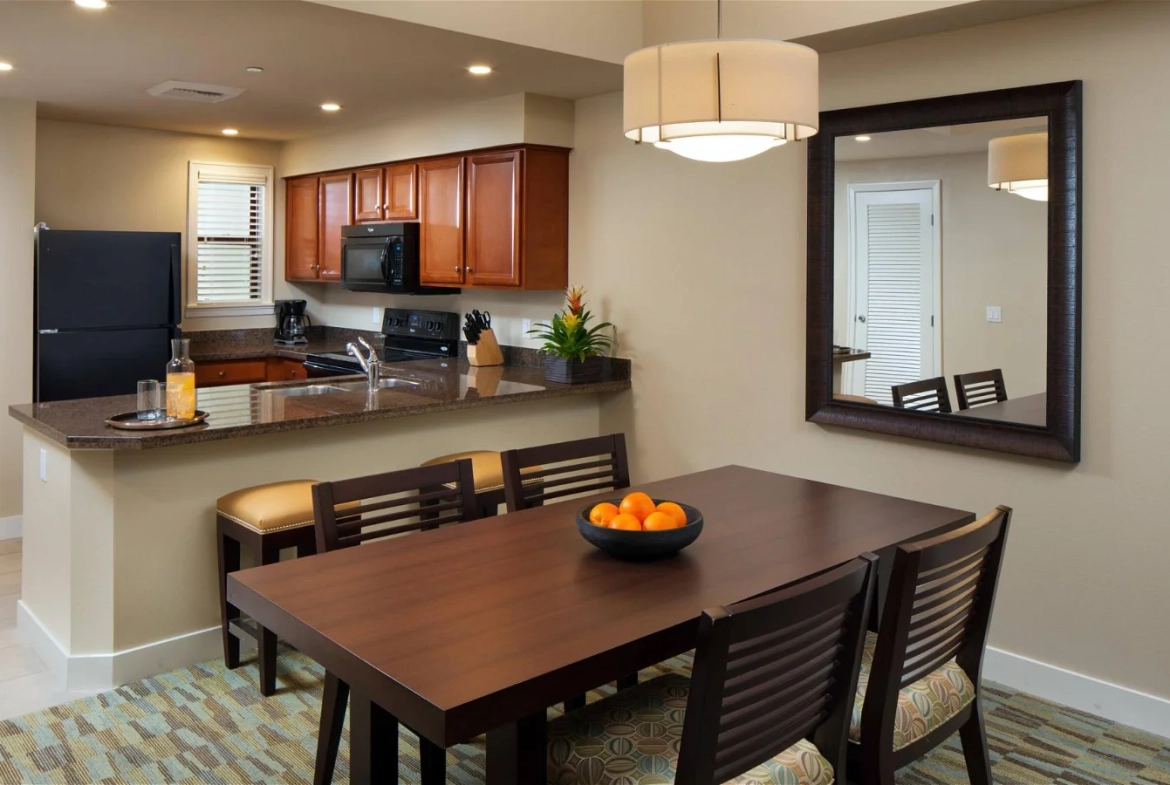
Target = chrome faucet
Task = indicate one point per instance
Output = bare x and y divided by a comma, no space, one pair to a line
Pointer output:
368,363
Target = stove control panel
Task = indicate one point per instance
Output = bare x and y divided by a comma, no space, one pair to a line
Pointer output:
433,325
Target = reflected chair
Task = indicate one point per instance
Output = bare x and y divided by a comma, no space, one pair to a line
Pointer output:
920,677
351,512
769,700
928,395
980,388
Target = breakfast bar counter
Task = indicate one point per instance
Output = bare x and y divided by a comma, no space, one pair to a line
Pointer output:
119,557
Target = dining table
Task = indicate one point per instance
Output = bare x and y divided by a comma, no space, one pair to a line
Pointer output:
478,627
1025,410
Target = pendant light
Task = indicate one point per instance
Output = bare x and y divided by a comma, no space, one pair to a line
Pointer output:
721,99
1019,165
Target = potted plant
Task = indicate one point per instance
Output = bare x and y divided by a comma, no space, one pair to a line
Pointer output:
573,351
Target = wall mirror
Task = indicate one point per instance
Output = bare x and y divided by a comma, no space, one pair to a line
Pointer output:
944,270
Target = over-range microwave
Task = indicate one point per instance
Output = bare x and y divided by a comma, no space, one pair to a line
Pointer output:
383,258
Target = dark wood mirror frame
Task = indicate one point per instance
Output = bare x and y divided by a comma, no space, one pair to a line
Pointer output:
1060,440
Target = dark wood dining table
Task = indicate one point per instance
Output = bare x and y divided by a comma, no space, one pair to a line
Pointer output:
1025,410
477,628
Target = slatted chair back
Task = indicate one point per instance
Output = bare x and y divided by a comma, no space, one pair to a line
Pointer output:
980,388
928,395
938,608
392,503
774,670
565,469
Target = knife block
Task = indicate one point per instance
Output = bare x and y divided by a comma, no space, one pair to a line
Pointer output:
486,352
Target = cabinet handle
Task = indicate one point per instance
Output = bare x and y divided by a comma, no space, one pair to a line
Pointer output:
467,269
222,374
456,268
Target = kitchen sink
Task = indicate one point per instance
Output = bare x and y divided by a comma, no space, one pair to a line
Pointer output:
308,389
390,383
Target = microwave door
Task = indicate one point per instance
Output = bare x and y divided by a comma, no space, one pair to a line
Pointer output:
362,267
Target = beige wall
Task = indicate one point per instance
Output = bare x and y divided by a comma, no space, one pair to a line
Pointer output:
994,252
110,178
17,184
702,266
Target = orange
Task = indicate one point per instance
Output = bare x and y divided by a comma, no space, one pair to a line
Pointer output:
657,521
674,511
627,522
637,504
602,514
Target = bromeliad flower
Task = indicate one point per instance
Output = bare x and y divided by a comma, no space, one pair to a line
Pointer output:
575,297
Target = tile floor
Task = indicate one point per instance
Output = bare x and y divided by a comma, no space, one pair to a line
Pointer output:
25,684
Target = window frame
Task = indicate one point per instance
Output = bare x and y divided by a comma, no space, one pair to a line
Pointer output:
266,305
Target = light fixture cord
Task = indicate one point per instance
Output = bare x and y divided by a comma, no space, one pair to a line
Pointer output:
719,18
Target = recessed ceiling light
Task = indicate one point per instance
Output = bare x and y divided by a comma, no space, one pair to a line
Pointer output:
254,69
5,66
230,132
479,70
862,138
331,107
93,5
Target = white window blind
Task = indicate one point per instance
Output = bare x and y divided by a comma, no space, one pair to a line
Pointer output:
229,249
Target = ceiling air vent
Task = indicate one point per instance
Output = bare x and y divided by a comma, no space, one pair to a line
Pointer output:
194,91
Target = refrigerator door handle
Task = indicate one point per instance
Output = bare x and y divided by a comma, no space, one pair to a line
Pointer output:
176,286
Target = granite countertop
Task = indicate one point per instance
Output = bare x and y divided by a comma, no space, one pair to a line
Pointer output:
426,386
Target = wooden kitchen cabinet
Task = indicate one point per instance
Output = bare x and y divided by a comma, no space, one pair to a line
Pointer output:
301,243
367,195
215,374
440,214
401,199
336,210
282,369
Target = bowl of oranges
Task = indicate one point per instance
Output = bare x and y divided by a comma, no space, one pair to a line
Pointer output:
639,528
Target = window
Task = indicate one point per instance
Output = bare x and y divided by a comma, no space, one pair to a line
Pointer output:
229,240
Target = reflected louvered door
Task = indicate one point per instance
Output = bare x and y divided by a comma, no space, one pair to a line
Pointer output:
894,284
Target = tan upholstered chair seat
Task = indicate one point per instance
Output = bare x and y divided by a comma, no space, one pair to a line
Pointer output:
270,508
486,467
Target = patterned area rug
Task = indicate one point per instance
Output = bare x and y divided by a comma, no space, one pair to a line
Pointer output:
206,724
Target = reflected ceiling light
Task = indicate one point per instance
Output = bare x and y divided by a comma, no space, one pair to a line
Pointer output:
862,138
479,70
230,132
254,69
1019,165
93,5
722,99
5,66
331,107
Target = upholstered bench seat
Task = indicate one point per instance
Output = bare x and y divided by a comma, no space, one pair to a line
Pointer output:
633,737
922,706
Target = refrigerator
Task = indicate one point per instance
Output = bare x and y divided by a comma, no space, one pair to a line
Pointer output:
107,305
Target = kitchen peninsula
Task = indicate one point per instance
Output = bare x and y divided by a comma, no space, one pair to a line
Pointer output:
119,549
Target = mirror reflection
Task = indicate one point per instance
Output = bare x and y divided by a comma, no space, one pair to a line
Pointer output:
940,300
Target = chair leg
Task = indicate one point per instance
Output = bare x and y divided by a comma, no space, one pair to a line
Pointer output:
229,561
625,682
489,510
333,702
432,762
974,738
574,703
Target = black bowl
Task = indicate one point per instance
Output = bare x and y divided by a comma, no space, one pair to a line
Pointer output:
641,546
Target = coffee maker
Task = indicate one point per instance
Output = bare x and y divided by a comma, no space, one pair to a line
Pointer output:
291,321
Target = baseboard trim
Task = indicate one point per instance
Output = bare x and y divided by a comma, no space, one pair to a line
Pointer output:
1076,690
10,528
106,671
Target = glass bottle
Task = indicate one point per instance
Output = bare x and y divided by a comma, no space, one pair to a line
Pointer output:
181,381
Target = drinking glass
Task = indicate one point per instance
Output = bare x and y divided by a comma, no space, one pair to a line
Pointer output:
150,400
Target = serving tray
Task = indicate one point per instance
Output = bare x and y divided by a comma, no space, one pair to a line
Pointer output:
130,422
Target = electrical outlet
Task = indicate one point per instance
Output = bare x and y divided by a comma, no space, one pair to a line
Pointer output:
44,465
376,315
994,314
525,326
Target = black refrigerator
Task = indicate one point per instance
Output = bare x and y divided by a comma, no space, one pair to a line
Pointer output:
107,306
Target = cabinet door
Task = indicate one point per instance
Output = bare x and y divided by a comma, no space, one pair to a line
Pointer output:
493,219
300,244
367,196
336,202
213,374
401,202
440,188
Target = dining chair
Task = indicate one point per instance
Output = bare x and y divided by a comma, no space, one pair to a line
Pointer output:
927,395
920,676
769,699
980,388
350,512
567,469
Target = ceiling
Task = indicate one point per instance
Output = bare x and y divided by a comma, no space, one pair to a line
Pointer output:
945,140
95,67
